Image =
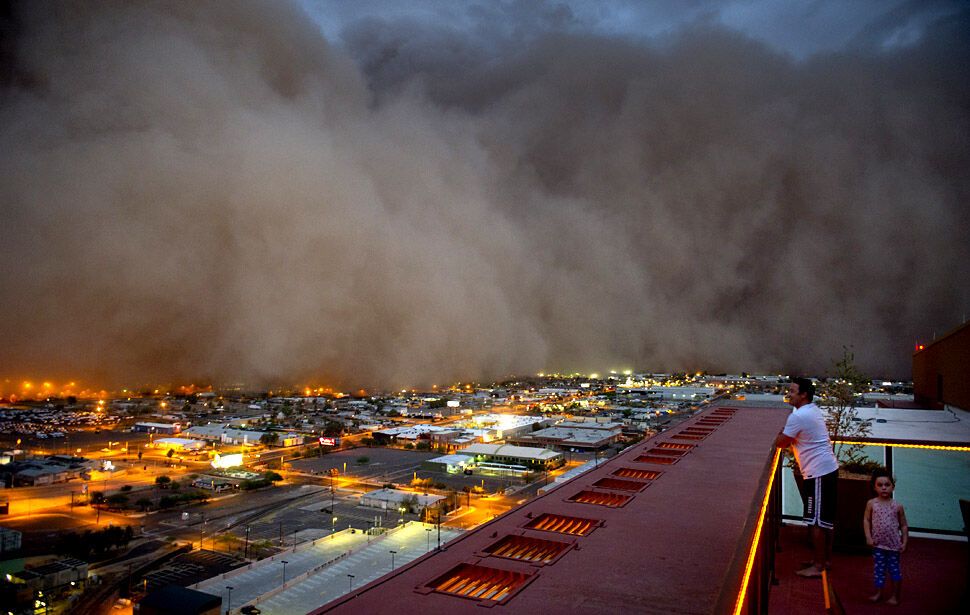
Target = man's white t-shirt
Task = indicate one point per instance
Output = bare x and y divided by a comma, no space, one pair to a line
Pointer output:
813,450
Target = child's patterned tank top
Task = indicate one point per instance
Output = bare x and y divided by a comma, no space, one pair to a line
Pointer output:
885,525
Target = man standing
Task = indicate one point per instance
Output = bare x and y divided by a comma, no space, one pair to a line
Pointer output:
805,432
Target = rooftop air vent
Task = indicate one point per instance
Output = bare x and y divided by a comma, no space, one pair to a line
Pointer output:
480,582
667,452
687,436
676,446
639,474
561,524
526,549
601,498
656,459
620,485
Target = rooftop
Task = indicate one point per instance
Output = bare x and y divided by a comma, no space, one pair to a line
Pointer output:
572,434
951,426
627,519
507,450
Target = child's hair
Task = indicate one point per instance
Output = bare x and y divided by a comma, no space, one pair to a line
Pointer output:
879,473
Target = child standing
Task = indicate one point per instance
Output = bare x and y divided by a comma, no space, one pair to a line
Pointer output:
887,533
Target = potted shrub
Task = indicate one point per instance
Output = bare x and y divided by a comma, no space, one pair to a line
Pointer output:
837,399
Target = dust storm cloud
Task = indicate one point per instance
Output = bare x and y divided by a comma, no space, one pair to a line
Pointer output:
213,190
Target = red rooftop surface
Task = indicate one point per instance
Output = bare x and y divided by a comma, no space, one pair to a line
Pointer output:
589,546
934,579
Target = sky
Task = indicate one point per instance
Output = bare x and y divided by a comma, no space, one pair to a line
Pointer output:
387,194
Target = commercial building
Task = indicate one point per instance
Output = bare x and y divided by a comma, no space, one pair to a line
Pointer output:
452,464
224,434
45,470
535,459
393,499
53,575
179,444
164,428
503,426
673,393
940,370
576,434
406,432
562,438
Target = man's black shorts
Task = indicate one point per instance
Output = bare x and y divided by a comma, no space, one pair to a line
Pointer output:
818,495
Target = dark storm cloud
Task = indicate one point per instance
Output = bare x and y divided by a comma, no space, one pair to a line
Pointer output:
215,191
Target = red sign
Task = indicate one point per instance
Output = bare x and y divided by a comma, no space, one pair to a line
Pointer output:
328,441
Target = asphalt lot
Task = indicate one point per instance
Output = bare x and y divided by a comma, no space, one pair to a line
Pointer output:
391,465
383,465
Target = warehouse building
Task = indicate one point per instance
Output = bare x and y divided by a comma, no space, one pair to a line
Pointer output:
535,459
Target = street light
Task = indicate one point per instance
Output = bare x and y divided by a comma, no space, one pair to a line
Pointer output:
392,559
229,599
428,530
351,577
284,562
246,553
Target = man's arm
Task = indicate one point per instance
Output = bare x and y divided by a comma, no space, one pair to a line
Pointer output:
783,441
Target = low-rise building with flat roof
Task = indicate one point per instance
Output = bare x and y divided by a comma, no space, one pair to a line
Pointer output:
571,437
224,434
180,444
166,428
531,457
392,499
452,464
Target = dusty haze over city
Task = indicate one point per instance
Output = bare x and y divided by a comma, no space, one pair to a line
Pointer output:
269,191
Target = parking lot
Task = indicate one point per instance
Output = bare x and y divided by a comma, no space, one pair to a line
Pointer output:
390,465
383,465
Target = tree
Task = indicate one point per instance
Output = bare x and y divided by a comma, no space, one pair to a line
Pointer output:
97,497
163,481
410,503
117,500
143,504
272,476
838,398
269,438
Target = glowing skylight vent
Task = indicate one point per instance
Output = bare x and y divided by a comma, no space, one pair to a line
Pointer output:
479,582
561,524
620,485
638,474
524,548
601,498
